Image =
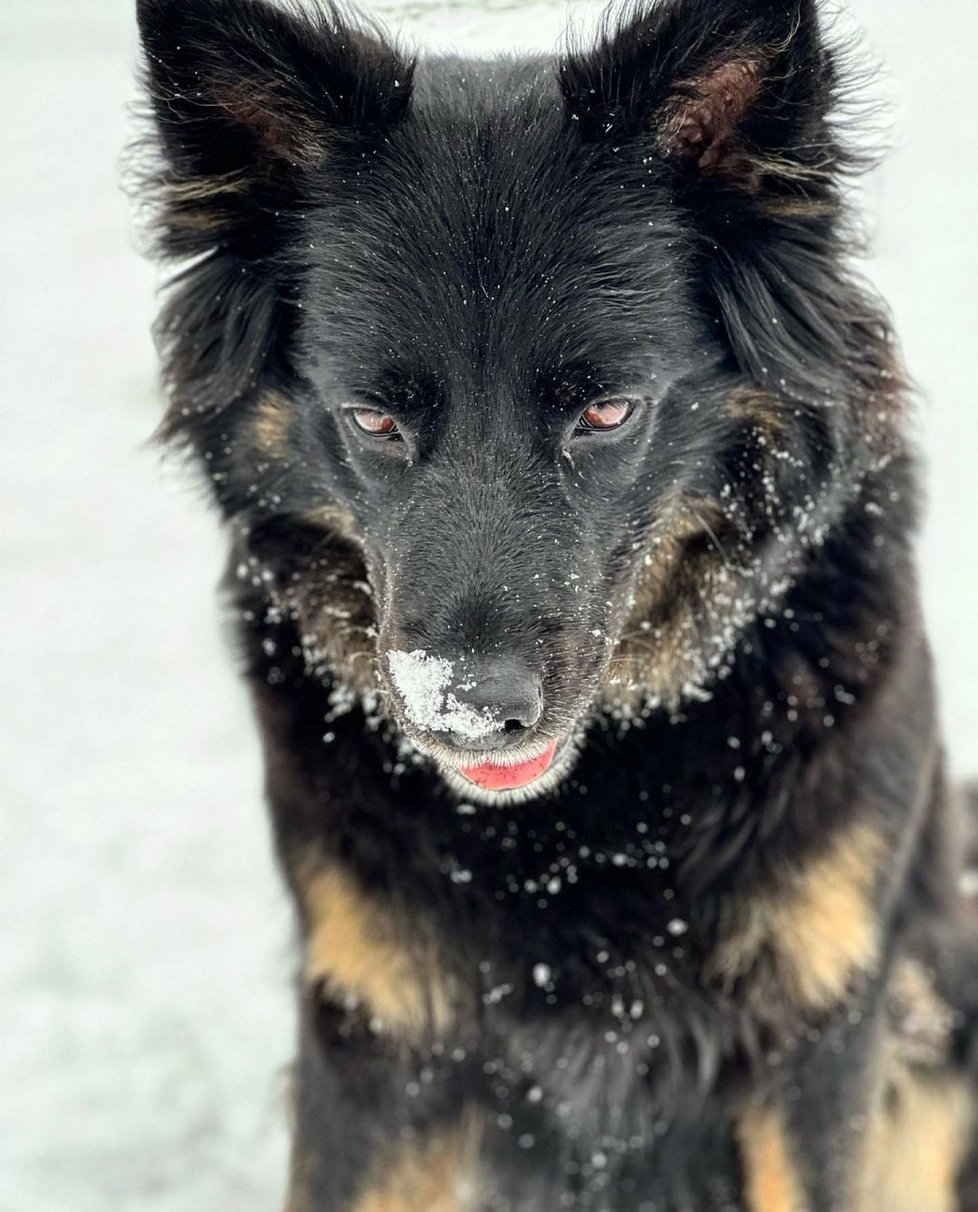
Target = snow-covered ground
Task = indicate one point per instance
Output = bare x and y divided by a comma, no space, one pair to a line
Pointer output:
144,941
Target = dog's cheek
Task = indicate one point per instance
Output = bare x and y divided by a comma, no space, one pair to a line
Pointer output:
312,570
270,427
676,612
433,1171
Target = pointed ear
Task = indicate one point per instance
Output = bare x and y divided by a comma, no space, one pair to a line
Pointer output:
238,86
246,101
737,100
724,88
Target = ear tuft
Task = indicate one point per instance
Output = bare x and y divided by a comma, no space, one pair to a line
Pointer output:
279,126
706,115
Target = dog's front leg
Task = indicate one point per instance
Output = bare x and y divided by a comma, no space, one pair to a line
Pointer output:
376,1129
384,1084
805,1146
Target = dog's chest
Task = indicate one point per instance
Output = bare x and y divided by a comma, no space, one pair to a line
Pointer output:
598,1058
581,968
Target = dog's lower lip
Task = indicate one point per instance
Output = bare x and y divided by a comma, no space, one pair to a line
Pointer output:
492,776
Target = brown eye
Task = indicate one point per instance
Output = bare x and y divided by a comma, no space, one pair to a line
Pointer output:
605,414
378,424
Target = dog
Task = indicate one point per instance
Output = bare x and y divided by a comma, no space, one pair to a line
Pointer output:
564,462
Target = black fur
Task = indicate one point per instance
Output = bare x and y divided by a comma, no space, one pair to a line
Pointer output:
716,602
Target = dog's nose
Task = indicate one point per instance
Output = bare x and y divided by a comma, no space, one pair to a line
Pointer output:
505,693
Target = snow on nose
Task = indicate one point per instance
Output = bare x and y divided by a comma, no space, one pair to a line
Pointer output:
472,701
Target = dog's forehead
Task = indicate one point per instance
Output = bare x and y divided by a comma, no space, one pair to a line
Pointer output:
485,226
480,86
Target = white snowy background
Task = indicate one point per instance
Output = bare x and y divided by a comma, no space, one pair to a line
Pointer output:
145,944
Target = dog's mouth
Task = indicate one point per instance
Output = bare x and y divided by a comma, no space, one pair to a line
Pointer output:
507,777
497,773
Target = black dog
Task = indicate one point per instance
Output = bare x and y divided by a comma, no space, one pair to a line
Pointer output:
563,458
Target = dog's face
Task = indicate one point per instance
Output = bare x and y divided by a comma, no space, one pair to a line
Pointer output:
504,370
490,404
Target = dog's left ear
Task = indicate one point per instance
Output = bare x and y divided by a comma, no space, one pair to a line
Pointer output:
735,100
724,89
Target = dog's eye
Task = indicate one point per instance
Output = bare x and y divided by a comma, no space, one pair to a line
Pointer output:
378,424
605,414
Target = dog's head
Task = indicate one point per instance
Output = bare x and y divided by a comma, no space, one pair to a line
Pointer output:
528,385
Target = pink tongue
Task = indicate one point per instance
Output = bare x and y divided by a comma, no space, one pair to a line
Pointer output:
504,778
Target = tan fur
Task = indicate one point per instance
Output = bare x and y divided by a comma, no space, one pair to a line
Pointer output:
360,955
917,1142
434,1176
196,207
920,1021
780,206
682,610
924,1114
759,408
204,189
270,425
771,1180
813,932
335,519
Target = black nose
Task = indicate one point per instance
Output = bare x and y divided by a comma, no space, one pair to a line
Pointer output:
502,690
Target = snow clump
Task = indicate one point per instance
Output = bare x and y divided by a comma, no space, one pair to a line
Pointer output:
424,683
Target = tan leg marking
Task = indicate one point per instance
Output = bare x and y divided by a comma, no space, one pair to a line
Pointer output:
433,1176
771,1181
358,953
918,1142
809,936
924,1113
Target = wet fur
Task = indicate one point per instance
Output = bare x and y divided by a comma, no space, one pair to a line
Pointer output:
722,962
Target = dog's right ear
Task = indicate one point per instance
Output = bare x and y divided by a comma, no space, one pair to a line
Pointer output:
235,83
244,93
247,101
